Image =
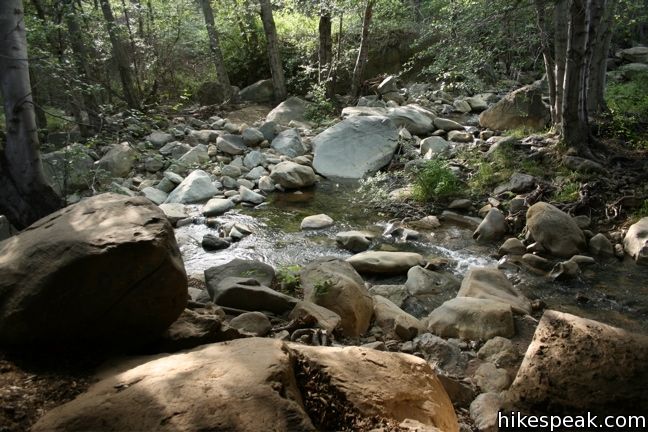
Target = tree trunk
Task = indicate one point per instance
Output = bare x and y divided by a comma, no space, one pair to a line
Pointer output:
333,72
575,125
119,54
598,67
25,196
546,54
325,52
214,45
363,52
560,48
82,63
276,68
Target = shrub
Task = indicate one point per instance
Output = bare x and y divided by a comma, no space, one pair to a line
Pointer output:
628,110
321,109
435,181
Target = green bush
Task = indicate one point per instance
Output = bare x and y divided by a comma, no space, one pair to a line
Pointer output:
628,110
321,109
435,181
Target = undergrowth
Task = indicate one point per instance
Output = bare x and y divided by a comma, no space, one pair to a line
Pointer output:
627,117
436,181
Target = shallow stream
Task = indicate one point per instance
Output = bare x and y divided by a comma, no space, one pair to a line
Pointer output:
614,292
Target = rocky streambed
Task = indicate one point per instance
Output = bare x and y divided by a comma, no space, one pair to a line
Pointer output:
308,308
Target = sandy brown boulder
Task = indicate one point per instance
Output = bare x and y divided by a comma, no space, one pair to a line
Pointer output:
262,385
382,262
335,285
555,230
491,283
522,108
107,268
577,364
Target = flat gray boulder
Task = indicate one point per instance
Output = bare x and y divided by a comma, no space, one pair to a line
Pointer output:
289,143
292,109
355,147
196,187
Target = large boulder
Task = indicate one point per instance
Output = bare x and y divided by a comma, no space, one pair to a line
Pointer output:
635,241
576,364
638,54
381,262
335,285
292,109
416,119
107,268
522,108
355,147
260,92
248,294
291,175
119,160
554,230
394,321
471,318
493,227
196,187
289,143
491,283
262,384
239,268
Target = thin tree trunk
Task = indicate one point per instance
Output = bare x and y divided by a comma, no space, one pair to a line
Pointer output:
363,52
546,54
125,73
214,45
333,72
325,51
133,47
82,63
276,68
25,195
561,24
575,125
593,17
598,67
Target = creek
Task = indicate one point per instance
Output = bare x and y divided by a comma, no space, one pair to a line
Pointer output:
613,292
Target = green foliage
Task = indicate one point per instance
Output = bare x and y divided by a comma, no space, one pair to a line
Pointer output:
288,278
628,110
567,192
435,181
323,287
321,109
642,212
466,47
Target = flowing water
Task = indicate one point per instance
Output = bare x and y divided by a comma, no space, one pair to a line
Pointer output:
615,292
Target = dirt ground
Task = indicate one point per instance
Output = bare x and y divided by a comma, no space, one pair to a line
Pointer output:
31,384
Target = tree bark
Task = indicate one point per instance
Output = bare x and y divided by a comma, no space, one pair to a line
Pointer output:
549,62
214,45
561,24
575,125
325,51
88,101
598,66
276,68
363,52
119,54
25,195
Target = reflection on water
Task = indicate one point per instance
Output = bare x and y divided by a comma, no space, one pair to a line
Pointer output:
615,293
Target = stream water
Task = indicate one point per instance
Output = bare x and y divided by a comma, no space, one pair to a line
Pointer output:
614,292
